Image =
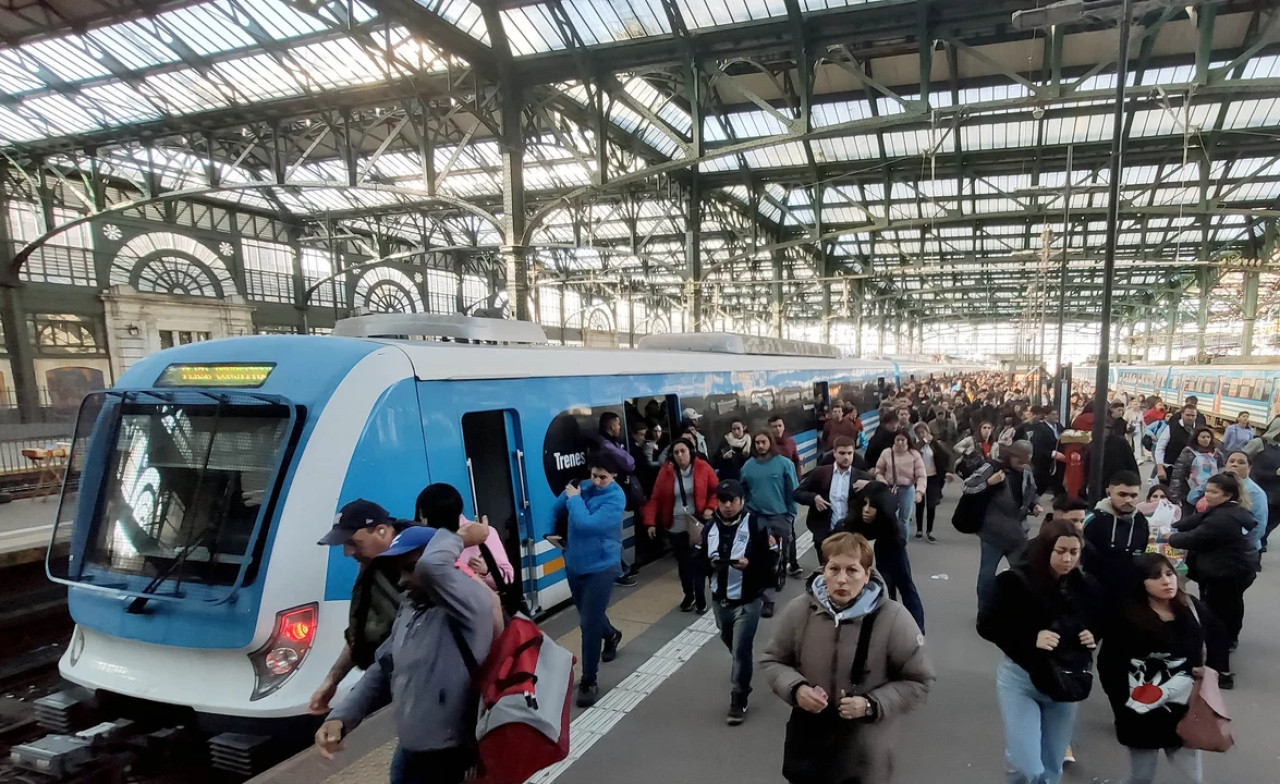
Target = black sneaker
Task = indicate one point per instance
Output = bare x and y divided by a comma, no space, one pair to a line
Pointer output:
933,538
687,604
737,710
796,571
588,693
767,610
919,534
626,581
610,651
701,609
1226,680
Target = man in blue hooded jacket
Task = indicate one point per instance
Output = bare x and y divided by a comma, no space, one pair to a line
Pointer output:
592,559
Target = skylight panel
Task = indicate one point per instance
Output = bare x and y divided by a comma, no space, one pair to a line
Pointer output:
1252,114
259,77
68,59
717,13
136,44
754,124
1264,67
531,30
462,14
341,63
185,91
606,21
845,147
16,128
63,116
841,112
121,103
206,28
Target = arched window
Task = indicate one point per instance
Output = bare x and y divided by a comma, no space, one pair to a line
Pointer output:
388,290
163,262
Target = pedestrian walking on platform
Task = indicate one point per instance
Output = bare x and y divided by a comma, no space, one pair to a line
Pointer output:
684,497
1147,666
770,482
850,662
420,669
1042,617
902,469
739,558
592,556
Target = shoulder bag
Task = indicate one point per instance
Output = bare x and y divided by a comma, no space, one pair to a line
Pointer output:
1206,726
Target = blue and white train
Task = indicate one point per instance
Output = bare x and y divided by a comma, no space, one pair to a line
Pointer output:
1223,391
200,484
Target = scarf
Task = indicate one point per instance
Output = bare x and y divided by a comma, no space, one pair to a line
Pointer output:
737,443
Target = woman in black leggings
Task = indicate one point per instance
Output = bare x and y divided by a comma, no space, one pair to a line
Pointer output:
937,465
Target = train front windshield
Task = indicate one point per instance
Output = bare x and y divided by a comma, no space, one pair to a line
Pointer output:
183,489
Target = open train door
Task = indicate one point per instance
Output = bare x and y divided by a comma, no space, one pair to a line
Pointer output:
500,488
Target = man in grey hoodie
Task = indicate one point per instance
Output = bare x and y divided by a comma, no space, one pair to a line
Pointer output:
420,668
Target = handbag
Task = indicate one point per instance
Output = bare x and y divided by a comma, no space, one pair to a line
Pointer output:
1206,726
970,509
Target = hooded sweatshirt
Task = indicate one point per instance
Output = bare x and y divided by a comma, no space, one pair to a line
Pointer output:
595,528
814,643
1111,542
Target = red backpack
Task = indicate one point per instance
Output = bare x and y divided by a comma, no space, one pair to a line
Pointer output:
525,688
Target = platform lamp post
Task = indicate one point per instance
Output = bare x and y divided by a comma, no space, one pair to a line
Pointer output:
1062,13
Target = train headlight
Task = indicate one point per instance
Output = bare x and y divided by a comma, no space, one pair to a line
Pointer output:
275,662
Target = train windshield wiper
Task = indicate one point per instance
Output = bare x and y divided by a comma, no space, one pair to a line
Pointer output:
139,603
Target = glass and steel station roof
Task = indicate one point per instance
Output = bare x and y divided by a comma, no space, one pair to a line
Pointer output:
915,151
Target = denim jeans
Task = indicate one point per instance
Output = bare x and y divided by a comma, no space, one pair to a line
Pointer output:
906,498
1142,765
444,766
689,566
591,594
737,624
1037,730
895,568
987,566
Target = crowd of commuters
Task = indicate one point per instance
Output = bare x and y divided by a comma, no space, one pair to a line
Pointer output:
1091,579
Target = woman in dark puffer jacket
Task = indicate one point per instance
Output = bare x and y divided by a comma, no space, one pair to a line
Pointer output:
1221,558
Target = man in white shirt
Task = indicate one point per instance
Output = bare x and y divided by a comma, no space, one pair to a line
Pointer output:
827,490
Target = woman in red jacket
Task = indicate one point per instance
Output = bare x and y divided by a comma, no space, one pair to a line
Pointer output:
683,496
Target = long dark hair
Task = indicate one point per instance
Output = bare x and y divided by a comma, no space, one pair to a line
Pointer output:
1227,483
1150,566
1195,440
1040,551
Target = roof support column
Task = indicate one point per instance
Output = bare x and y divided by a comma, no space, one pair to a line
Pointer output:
776,292
1202,316
1250,310
693,207
13,316
1175,302
513,210
859,304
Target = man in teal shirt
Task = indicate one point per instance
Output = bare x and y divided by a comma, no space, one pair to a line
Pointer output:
770,480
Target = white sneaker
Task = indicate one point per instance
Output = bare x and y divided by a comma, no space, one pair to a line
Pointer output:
1070,756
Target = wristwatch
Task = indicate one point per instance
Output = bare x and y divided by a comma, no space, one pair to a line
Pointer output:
873,710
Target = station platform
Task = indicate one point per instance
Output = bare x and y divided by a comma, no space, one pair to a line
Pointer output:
25,528
662,711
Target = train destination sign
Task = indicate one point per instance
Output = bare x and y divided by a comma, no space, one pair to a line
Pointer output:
240,376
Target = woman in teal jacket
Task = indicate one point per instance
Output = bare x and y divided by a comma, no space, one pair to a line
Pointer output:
591,562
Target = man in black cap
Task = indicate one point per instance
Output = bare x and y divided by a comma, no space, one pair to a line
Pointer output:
740,560
364,530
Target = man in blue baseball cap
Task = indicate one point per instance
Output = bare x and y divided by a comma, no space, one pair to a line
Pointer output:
421,668
364,530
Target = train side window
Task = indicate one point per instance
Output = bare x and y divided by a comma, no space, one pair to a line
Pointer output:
656,412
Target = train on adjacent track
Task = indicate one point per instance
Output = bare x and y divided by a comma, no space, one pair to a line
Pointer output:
200,484
1223,391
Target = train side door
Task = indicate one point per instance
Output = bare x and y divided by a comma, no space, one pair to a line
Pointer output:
499,486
